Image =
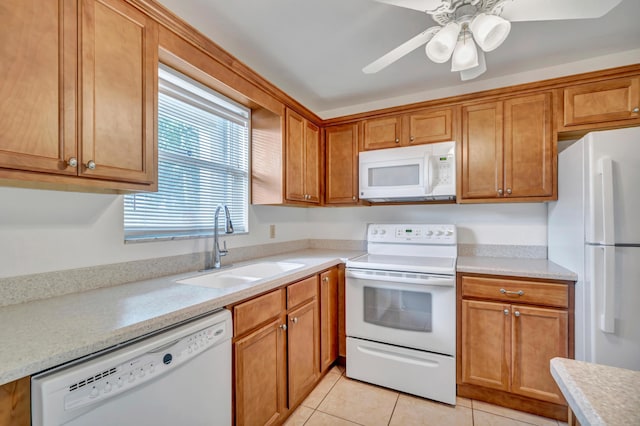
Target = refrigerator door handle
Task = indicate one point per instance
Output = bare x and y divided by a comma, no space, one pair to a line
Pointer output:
607,317
608,219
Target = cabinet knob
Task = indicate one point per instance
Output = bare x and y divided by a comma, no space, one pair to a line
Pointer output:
412,138
509,191
353,198
397,140
294,320
499,191
635,110
91,165
506,312
73,162
325,279
283,326
516,313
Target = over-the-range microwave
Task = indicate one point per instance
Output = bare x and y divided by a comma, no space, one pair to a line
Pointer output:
412,173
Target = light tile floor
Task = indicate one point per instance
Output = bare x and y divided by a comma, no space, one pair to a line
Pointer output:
338,400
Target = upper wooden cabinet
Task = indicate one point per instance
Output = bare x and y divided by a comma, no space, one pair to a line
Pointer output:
420,127
341,164
600,104
79,93
508,150
302,159
38,66
118,70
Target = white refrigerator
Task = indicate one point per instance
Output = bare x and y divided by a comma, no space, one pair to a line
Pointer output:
594,230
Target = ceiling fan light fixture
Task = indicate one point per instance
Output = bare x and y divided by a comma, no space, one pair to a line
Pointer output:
440,47
474,72
465,55
489,31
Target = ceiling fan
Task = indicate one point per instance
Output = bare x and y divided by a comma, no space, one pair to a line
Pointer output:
463,25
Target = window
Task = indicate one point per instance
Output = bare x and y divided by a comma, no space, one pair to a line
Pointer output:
203,161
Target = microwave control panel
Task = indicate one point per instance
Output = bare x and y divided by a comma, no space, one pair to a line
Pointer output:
443,169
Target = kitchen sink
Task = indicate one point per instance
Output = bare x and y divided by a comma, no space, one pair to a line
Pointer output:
241,275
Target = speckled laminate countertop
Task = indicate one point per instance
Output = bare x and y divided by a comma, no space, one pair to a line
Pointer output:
41,334
518,267
599,394
38,335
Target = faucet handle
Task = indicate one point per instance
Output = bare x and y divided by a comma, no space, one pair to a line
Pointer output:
224,250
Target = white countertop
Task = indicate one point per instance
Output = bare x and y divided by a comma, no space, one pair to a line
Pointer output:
518,267
41,334
599,394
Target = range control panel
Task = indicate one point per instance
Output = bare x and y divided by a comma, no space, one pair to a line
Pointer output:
412,233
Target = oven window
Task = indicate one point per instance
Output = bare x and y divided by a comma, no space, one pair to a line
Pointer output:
399,309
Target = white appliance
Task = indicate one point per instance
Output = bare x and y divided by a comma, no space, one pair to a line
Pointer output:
594,230
179,376
411,173
401,310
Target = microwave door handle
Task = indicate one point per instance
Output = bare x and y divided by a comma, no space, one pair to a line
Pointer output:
430,177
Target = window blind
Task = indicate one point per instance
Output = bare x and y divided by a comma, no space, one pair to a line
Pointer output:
203,161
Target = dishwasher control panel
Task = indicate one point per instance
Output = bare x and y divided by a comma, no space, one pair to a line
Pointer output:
119,378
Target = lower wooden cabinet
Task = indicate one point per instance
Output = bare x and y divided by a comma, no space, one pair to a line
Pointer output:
15,403
508,331
329,317
278,351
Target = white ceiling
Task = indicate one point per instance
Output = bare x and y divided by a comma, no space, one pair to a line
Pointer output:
314,50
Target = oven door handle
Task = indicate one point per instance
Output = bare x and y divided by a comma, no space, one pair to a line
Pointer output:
400,277
397,357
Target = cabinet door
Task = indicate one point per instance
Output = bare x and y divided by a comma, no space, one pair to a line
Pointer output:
602,102
302,350
38,90
528,146
482,155
538,334
341,147
430,126
485,344
328,318
118,67
381,133
260,376
294,156
312,162
15,403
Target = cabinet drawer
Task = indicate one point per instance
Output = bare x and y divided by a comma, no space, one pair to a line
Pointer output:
302,291
520,291
249,314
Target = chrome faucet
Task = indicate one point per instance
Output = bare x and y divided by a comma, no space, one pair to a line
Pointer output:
217,254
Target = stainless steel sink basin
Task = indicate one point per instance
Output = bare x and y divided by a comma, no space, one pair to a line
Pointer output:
242,275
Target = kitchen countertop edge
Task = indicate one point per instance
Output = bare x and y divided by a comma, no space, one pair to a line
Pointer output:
517,267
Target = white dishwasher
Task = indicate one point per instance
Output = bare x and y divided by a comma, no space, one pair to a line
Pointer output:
180,376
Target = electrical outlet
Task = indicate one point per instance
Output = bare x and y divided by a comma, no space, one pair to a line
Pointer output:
272,231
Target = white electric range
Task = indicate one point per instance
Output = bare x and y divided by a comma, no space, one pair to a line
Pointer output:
401,310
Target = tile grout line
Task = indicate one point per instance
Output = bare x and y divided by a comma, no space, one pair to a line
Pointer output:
394,409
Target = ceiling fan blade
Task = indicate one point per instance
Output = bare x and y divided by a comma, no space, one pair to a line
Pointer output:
421,5
400,51
548,10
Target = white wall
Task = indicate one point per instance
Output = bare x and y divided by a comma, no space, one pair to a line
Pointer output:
517,224
42,231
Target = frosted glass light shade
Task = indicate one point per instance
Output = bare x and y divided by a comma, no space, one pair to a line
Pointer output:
465,55
477,71
441,46
489,31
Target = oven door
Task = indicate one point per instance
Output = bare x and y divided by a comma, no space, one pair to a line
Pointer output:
406,309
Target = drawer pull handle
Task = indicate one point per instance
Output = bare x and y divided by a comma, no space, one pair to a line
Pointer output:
515,293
